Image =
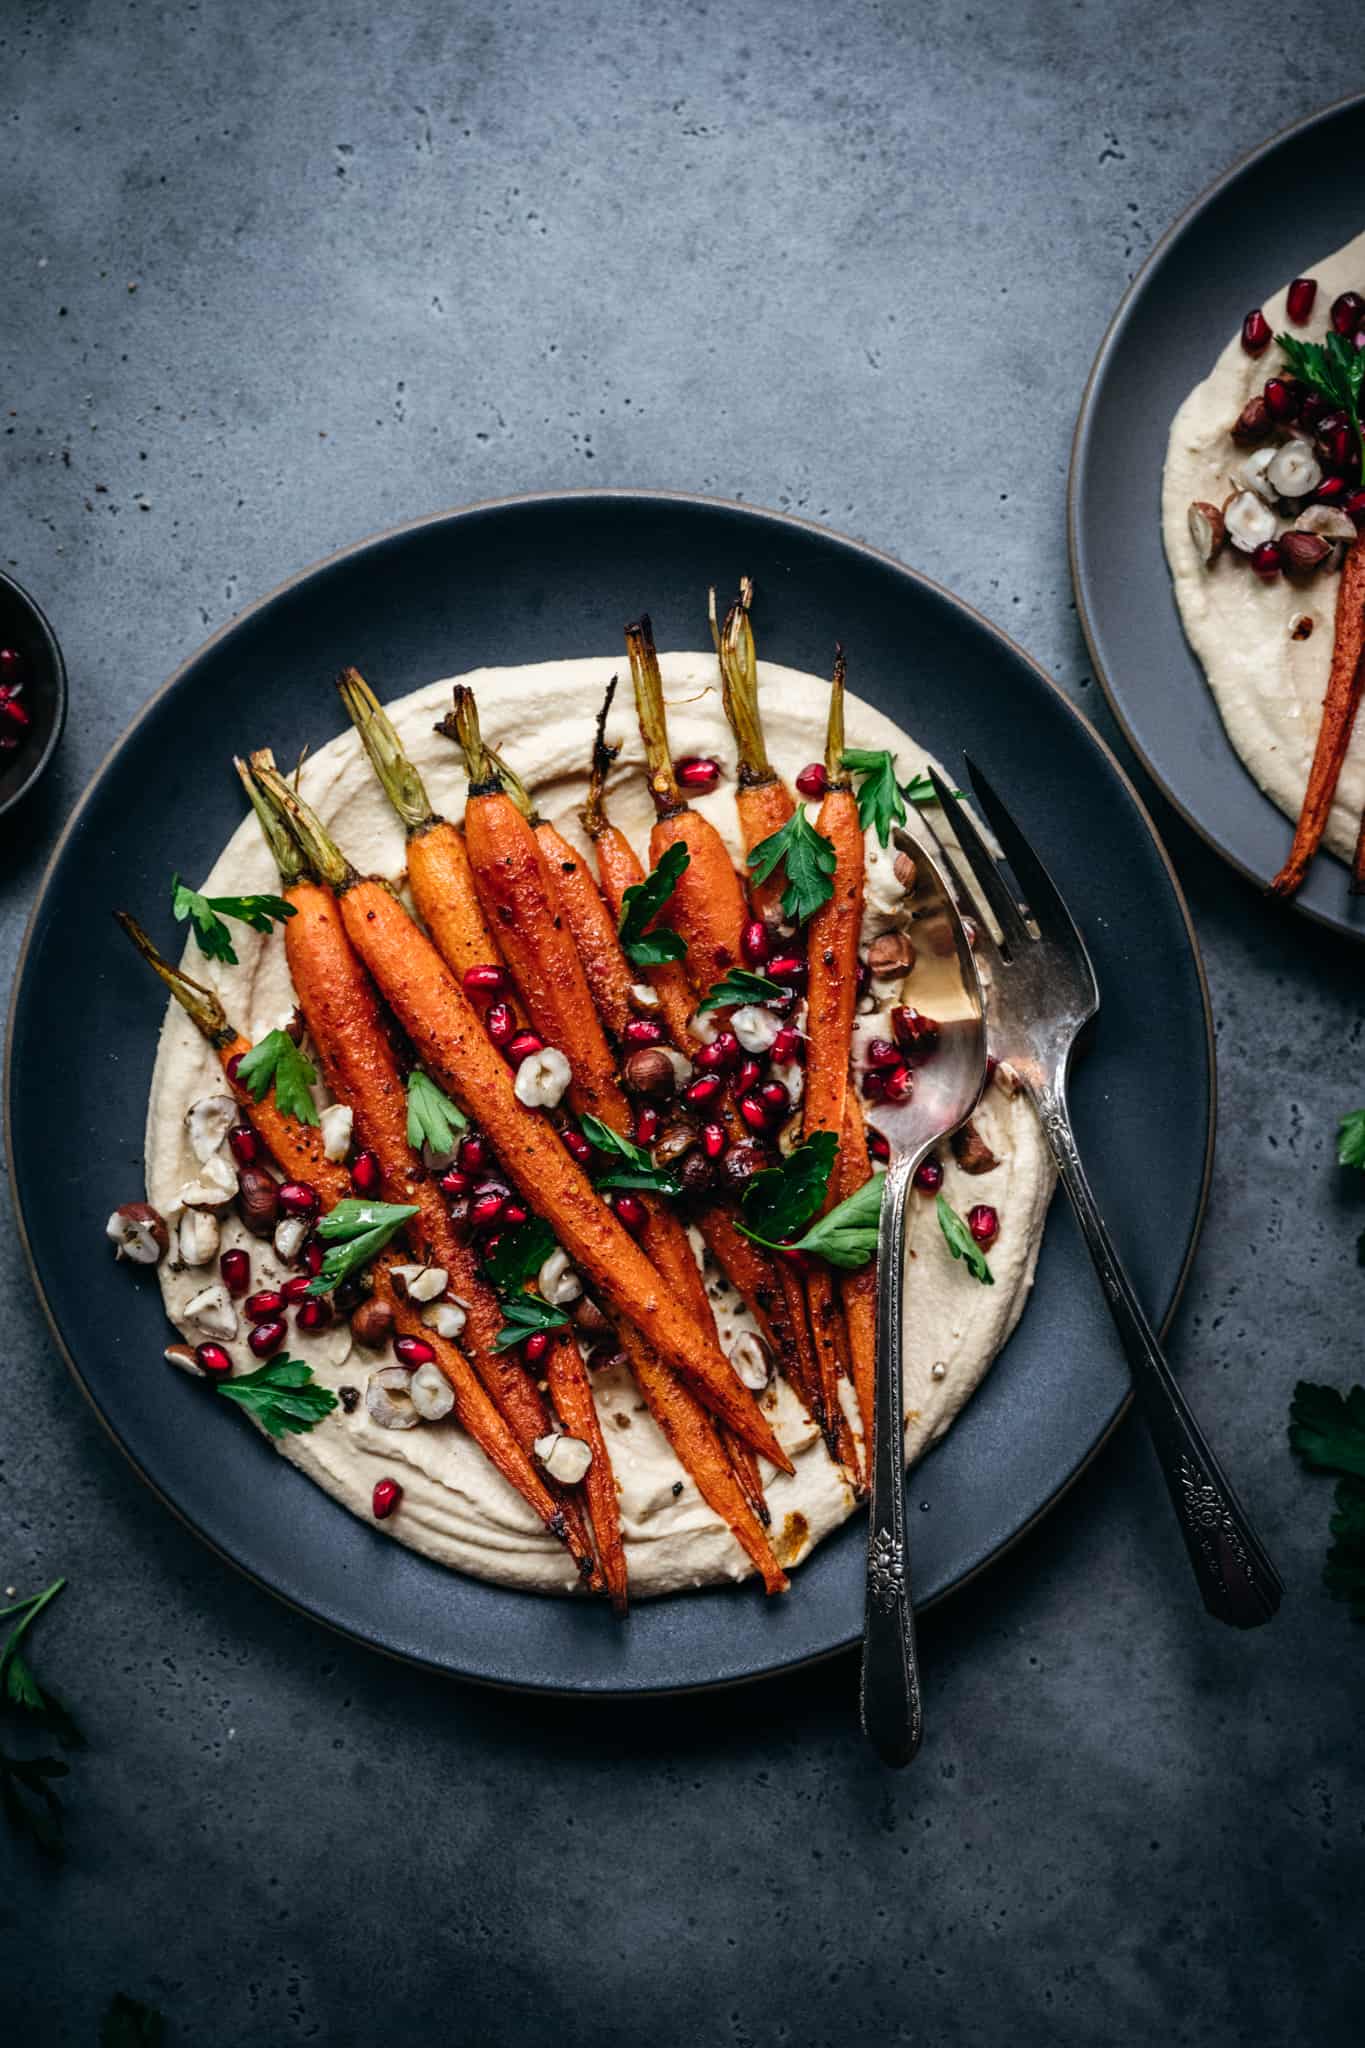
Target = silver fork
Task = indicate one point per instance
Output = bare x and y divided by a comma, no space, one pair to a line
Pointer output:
1042,991
947,1089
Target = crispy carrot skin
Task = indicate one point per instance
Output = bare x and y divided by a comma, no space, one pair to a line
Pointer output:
1344,684
619,869
437,1015
764,808
707,906
571,1392
593,929
296,1148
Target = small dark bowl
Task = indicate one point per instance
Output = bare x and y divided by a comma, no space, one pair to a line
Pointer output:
23,627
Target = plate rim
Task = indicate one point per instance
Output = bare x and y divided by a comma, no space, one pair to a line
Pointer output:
1080,443
704,502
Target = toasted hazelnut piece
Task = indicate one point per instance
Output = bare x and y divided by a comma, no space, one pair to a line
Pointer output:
557,1282
208,1122
197,1237
215,1187
643,997
792,1076
695,1172
790,1136
388,1399
588,1318
1254,474
372,1323
431,1393
138,1233
1328,520
1207,530
446,1318
971,1151
1294,470
1302,553
674,1141
649,1071
212,1312
290,1233
542,1079
1005,1078
565,1458
182,1357
1249,521
755,1027
258,1200
749,1357
422,1283
1301,626
1252,423
890,954
336,1124
904,869
703,1025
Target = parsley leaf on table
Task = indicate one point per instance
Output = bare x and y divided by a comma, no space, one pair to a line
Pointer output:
1334,367
642,902
281,1396
433,1118
782,1200
808,860
355,1232
213,937
1327,1430
1351,1140
961,1243
526,1313
637,1169
521,1252
28,1797
276,1058
739,985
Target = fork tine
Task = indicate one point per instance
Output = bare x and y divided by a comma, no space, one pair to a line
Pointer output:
1049,912
983,866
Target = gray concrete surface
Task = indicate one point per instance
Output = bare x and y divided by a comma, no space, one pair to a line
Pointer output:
277,275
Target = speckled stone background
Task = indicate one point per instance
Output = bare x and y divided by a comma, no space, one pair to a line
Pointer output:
277,275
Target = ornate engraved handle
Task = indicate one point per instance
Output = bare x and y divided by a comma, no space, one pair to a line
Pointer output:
890,1688
1238,1582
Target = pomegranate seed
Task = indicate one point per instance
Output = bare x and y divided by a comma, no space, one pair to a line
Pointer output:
716,1057
916,1036
794,1257
1331,490
878,1144
297,1198
929,1176
1347,312
233,1064
1355,505
500,1024
1336,442
863,981
1255,332
473,1155
713,1140
244,1145
899,1085
577,1146
643,1031
629,1211
536,1346
512,1214
813,781
748,1074
490,1245
1267,561
788,1045
697,771
385,1498
1312,406
454,1183
1282,398
1299,304
775,1096
522,1046
263,1307
881,1052
783,1005
791,969
314,1314
485,981
487,1208
365,1174
213,1360
647,1121
754,1113
311,1257
873,1083
14,715
704,1089
754,942
267,1338
296,1286
11,666
983,1223
235,1267
412,1352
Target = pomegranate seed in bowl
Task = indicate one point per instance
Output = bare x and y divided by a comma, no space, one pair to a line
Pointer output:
984,1224
454,1184
296,1286
697,772
486,980
643,1031
536,1346
647,1121
473,1155
1255,332
523,1045
704,1089
576,1145
630,1211
713,1140
878,1144
213,1361
814,780
754,1112
929,1176
1267,561
244,1145
235,1267
1299,304
365,1174
512,1214
385,1498
265,1306
314,1314
296,1198
1347,312
267,1338
790,969
500,1024
898,1085
754,942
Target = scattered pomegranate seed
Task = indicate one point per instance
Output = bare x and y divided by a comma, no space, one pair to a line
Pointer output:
523,1045
718,1056
754,942
754,1113
917,1036
314,1314
713,1140
244,1145
385,1498
267,1338
296,1286
13,714
486,1208
643,1031
647,1121
512,1214
233,1064
500,1024
577,1146
1355,505
296,1198
788,1045
697,771
365,1173
899,1085
746,1076
1331,490
454,1183
1347,312
984,1224
263,1307
882,1052
629,1211
536,1346
473,1154
412,1352
873,1083
704,1089
813,781
794,1257
1267,561
488,980
311,1258
878,1144
1255,332
775,1097
490,1245
213,1360
1336,442
791,969
1282,398
235,1267
929,1176
11,666
1299,304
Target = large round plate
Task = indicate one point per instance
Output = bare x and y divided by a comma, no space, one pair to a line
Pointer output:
1289,203
522,581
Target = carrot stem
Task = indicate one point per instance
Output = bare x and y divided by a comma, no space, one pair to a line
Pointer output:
649,705
401,783
738,660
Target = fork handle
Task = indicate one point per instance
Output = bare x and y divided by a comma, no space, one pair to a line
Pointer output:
891,1716
1236,1578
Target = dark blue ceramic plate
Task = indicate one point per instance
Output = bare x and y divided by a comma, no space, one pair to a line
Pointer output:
524,581
1290,202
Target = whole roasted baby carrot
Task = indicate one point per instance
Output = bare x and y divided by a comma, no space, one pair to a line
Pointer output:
858,1287
762,799
571,1391
1344,684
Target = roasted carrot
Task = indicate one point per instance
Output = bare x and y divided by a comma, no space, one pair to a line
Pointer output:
762,799
332,1182
346,1026
571,1391
442,1024
858,1288
1345,680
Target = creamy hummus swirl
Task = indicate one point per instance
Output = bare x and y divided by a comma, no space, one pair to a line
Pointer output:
455,1507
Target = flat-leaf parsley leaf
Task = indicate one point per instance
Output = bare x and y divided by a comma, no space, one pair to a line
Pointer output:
355,1232
281,1395
276,1058
642,902
213,937
961,1243
433,1118
807,858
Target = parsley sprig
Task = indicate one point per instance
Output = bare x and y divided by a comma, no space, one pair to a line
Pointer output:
354,1232
845,1235
281,1396
807,859
1334,368
525,1314
433,1119
520,1253
637,1169
642,902
1327,1430
214,939
276,1058
1351,1140
881,799
961,1243
739,985
28,1796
